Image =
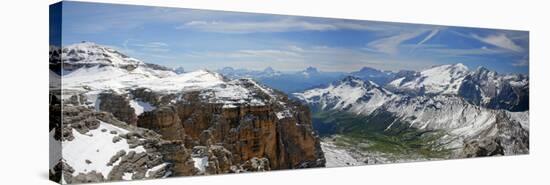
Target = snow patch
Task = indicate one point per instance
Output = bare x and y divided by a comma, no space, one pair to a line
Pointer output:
201,163
97,147
140,106
127,176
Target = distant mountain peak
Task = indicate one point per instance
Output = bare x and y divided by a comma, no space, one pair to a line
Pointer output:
269,70
461,65
179,70
484,71
369,69
311,70
349,93
353,81
443,79
453,67
227,69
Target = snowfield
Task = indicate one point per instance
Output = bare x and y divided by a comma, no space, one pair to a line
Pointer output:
140,106
445,79
95,79
93,54
213,87
349,94
97,147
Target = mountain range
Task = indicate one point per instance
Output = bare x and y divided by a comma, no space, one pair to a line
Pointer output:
480,86
126,119
447,110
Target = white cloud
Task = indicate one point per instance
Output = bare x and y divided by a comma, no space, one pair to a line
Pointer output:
248,27
521,63
389,45
282,25
427,38
295,48
146,46
500,40
454,52
293,58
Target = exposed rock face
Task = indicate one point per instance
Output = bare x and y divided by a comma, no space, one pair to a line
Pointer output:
482,148
163,120
176,153
90,177
221,160
151,122
489,89
256,164
301,146
246,131
505,137
159,159
119,105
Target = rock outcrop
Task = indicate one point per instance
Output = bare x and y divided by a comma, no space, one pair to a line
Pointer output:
127,119
119,105
245,131
158,157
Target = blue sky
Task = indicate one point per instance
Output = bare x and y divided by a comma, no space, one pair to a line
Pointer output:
197,39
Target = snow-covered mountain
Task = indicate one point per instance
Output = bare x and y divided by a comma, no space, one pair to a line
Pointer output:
350,94
179,70
378,76
90,54
481,86
445,79
244,73
310,71
490,89
460,120
126,119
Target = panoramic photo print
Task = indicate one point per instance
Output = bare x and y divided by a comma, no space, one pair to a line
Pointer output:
142,92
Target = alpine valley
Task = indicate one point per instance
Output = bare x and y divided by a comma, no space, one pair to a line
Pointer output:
114,117
443,112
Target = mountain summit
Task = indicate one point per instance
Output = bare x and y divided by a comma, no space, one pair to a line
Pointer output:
444,79
89,54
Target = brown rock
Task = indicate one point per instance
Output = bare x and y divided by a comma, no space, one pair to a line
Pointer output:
118,105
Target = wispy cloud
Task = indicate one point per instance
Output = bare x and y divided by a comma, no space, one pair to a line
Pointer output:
152,46
521,63
442,50
389,45
500,40
294,58
213,39
279,25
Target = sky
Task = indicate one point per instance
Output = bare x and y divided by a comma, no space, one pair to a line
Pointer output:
203,39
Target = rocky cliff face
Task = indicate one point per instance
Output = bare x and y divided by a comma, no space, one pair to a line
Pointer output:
143,121
489,89
97,147
247,132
